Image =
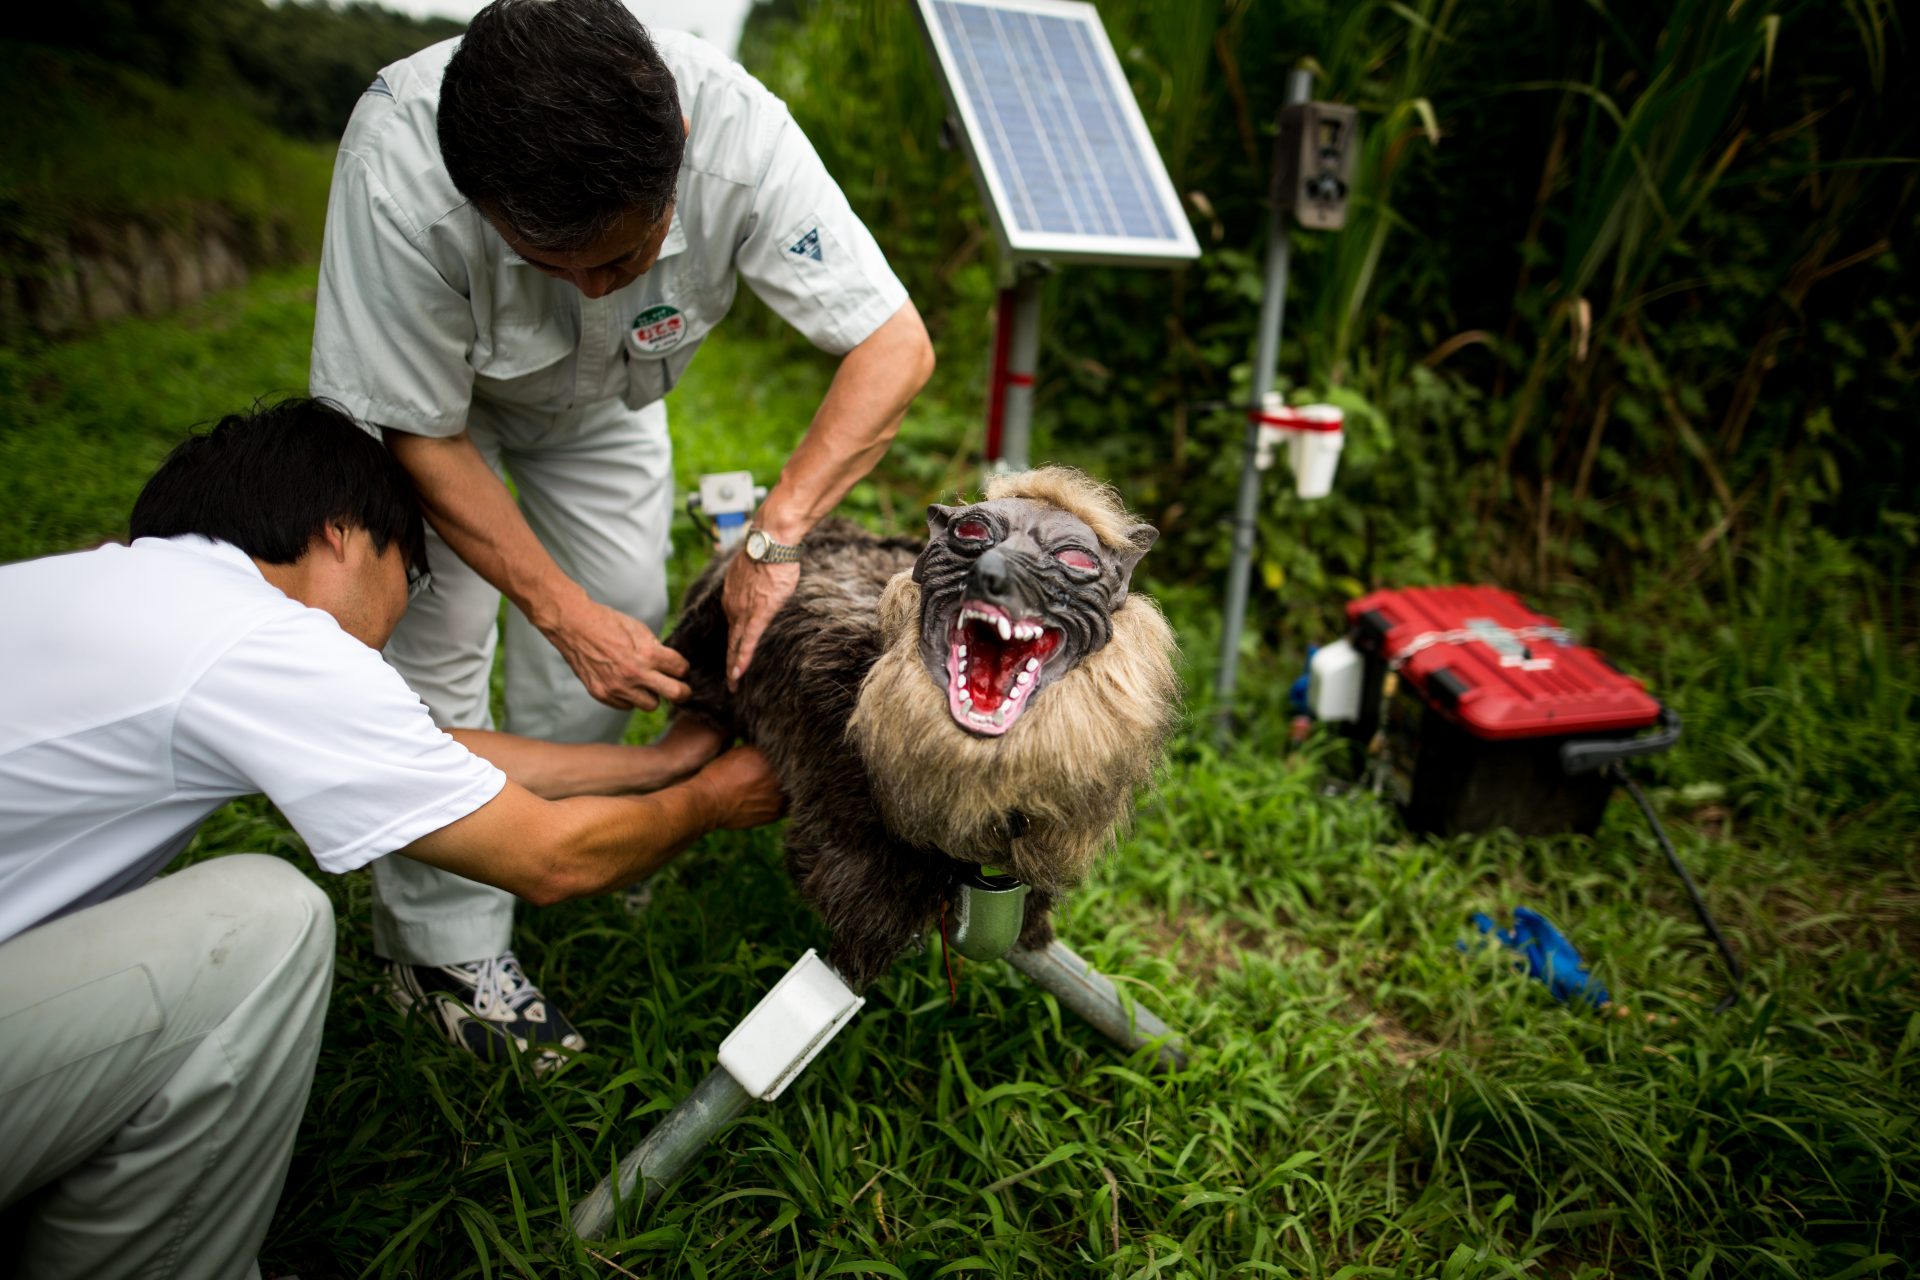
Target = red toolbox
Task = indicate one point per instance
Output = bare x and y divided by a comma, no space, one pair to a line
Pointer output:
1479,713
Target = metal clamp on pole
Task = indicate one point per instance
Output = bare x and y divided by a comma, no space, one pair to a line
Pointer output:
989,909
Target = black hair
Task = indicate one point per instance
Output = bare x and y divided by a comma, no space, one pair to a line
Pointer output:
558,118
271,479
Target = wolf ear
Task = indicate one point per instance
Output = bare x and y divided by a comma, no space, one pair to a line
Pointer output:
1140,538
938,519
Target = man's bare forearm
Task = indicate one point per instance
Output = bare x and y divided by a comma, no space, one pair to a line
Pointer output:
617,658
616,841
554,770
871,390
472,510
551,850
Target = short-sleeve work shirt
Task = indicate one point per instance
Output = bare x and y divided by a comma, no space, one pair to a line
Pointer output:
153,683
422,307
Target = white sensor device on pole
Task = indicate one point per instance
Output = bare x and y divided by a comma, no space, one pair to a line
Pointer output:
793,1022
1333,682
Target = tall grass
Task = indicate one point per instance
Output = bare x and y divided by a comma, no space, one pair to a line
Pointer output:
1364,1099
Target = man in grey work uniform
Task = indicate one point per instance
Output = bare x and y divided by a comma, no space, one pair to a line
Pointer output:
531,231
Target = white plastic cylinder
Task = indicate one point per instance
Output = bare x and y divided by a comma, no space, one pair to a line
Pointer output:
1314,448
1333,682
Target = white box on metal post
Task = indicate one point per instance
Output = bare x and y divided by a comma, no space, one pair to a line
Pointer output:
774,1043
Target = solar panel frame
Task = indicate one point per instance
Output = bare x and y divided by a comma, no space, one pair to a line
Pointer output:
998,188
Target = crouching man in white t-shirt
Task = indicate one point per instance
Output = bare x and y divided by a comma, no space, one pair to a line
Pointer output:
158,1036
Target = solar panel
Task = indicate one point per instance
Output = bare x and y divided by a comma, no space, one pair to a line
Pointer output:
1067,165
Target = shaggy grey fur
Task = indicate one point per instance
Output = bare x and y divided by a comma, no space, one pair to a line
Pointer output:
874,894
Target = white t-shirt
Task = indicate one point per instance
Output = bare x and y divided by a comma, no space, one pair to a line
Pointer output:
148,685
423,309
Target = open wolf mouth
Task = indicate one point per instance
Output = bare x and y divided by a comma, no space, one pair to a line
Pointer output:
996,663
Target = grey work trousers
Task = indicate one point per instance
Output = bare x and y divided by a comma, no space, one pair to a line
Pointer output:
596,486
155,1056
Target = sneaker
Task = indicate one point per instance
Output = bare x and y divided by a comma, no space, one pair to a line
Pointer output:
481,1005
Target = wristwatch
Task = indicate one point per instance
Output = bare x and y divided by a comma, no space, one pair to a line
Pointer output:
765,550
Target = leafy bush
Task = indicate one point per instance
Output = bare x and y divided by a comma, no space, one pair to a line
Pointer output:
1620,284
109,145
299,66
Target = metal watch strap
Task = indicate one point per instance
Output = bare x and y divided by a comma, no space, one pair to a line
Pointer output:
777,552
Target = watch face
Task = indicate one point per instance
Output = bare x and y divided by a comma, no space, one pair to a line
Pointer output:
756,544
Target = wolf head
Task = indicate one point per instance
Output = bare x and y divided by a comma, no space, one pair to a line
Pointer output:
1044,784
1018,590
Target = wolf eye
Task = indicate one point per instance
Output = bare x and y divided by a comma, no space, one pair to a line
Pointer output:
1075,558
972,530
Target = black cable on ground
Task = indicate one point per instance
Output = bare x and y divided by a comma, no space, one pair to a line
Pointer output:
1734,972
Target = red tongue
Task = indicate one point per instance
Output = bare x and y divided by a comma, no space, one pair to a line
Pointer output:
990,671
994,664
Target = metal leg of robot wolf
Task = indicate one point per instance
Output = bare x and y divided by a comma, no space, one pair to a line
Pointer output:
665,1153
718,1100
1078,986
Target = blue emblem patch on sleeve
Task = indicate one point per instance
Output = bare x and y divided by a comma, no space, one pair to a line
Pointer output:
808,245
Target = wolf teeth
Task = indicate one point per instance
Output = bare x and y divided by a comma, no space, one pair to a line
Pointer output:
1033,664
1006,627
1025,677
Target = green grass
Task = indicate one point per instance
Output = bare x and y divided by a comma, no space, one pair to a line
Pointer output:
1363,1099
85,423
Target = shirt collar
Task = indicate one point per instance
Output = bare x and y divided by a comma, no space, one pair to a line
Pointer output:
212,548
676,240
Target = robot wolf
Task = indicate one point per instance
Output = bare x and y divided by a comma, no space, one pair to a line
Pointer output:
994,696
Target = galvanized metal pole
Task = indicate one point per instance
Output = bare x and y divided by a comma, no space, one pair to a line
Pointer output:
1092,995
664,1154
1266,358
1023,357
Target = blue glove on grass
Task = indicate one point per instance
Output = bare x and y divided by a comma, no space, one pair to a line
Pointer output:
1549,957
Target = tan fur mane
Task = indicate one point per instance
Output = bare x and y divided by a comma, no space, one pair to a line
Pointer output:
1075,492
1071,764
